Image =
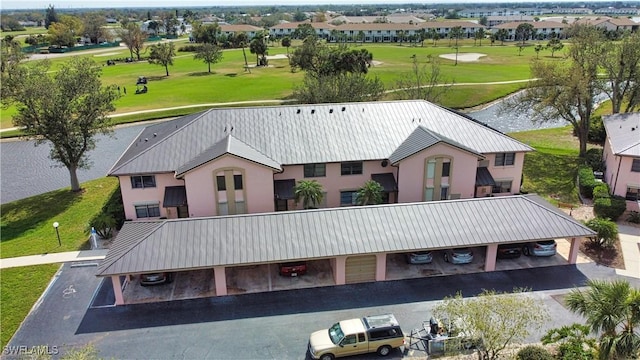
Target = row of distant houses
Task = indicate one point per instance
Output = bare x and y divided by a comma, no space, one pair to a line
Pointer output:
485,12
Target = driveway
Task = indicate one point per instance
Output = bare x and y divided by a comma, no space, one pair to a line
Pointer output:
266,325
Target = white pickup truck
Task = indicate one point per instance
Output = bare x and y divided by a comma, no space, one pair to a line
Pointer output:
379,333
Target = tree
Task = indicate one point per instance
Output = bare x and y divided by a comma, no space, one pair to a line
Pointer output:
10,55
310,192
209,54
240,40
423,82
207,34
133,37
170,23
162,54
524,32
94,28
479,35
259,47
154,26
67,109
573,342
317,59
494,319
361,36
456,33
565,90
50,16
537,49
501,35
286,42
554,45
303,31
612,311
621,62
335,88
483,21
299,16
370,193
61,35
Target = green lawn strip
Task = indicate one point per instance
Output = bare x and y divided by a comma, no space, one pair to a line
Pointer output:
27,224
21,288
552,169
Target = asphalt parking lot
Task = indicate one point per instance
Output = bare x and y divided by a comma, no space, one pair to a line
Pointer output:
273,325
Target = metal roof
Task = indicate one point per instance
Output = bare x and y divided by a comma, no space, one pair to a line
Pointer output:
195,243
304,134
484,178
623,131
420,139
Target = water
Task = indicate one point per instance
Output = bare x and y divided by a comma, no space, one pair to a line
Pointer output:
26,170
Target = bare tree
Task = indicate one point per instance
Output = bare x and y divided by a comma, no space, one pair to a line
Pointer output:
424,82
621,61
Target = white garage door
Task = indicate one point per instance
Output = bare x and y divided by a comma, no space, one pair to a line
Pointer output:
360,269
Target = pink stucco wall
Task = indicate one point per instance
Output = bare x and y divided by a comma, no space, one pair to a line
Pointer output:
132,196
333,182
412,172
511,172
618,174
258,186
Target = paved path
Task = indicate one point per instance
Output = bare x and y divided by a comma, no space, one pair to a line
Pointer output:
630,243
53,258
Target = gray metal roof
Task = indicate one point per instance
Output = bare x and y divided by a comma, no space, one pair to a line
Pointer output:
303,134
228,145
483,177
623,131
422,138
194,243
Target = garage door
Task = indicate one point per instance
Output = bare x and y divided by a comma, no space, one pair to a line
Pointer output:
360,269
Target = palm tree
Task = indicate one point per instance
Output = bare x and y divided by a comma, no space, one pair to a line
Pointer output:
612,309
370,193
310,192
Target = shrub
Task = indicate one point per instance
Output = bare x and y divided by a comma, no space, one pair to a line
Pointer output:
586,181
610,208
593,159
601,191
634,217
607,231
597,134
111,217
190,48
533,352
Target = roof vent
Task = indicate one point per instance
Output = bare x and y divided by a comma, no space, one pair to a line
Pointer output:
313,111
231,129
384,163
225,129
155,134
633,129
146,139
298,111
330,111
344,108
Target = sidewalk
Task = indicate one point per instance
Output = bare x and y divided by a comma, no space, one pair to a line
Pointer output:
630,244
53,258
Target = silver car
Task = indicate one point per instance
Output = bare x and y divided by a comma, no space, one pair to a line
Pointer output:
540,248
458,256
420,257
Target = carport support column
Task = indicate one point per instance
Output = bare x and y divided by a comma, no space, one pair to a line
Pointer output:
490,258
381,267
340,269
573,250
220,276
117,289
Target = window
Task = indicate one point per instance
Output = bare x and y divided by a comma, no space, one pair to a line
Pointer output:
635,165
428,194
633,193
444,193
222,183
349,339
315,170
446,169
502,187
147,211
143,181
431,168
348,198
361,337
505,159
351,168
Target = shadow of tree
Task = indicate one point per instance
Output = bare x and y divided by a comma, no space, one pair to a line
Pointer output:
231,74
552,174
202,73
25,215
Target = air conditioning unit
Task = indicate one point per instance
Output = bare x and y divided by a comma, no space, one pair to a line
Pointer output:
483,163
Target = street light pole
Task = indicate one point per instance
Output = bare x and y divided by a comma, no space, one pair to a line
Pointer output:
55,225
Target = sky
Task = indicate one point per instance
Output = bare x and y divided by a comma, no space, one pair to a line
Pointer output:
78,4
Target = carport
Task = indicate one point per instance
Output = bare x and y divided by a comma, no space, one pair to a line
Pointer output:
354,240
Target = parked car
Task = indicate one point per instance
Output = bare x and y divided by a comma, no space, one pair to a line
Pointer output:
509,251
420,257
293,268
378,333
156,278
458,256
540,248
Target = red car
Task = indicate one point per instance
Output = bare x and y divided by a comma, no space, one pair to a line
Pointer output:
293,268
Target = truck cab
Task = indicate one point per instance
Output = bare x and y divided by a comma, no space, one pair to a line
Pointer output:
379,333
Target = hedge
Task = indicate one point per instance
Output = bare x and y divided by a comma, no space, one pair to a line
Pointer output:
610,208
586,181
601,191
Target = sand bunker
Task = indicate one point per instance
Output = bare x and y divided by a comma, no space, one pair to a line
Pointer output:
464,57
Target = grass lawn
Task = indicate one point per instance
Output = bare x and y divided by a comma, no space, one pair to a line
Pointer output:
189,82
26,225
21,288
